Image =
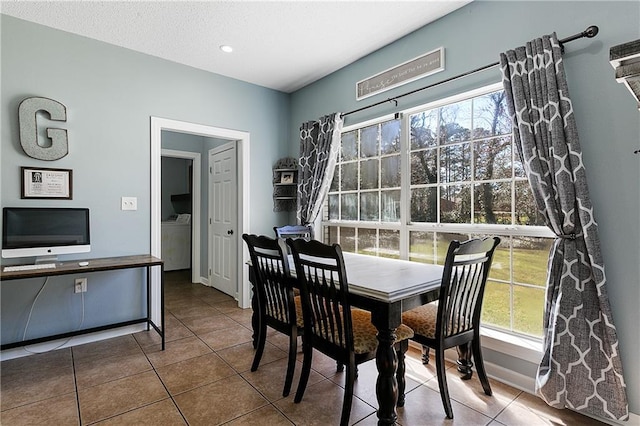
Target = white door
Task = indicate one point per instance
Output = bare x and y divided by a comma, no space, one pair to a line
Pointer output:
222,218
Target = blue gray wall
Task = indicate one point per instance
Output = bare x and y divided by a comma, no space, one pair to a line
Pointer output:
607,116
110,94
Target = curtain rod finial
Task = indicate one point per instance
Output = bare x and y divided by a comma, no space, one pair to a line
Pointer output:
591,32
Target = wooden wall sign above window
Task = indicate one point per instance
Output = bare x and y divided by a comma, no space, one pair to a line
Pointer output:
625,59
414,69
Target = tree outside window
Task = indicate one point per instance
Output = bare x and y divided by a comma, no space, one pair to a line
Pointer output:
463,180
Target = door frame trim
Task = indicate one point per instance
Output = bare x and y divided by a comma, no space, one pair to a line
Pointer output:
242,140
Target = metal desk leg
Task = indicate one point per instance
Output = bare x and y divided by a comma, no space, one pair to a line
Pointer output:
162,304
148,298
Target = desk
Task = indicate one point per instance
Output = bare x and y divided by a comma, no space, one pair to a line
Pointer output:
96,265
386,288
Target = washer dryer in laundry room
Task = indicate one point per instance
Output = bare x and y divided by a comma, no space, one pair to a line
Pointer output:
176,244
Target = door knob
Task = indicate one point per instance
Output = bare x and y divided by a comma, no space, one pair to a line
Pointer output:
230,232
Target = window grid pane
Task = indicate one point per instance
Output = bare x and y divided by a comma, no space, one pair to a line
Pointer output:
463,173
389,243
368,241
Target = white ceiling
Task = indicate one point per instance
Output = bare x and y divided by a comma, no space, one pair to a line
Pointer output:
283,45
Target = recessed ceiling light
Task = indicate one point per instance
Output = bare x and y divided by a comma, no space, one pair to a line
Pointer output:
226,49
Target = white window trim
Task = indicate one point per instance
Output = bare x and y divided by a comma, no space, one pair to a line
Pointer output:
528,349
503,341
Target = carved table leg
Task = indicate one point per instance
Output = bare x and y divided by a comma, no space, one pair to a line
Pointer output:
386,385
402,383
255,321
464,361
254,305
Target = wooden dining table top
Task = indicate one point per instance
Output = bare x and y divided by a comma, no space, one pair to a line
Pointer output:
389,280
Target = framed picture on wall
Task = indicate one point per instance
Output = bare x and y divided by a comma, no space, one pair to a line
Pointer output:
47,183
286,177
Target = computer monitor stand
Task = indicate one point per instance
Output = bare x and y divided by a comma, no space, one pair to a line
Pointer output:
46,259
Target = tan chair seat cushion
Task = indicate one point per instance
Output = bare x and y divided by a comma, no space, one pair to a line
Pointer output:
422,320
364,333
299,318
298,303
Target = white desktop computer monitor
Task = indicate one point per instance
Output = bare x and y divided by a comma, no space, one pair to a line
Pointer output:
44,232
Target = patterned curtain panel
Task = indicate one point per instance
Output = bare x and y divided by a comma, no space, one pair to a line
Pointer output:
581,367
319,145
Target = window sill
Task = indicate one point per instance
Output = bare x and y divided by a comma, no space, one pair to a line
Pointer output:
520,347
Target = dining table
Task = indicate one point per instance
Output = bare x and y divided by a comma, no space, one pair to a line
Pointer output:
386,287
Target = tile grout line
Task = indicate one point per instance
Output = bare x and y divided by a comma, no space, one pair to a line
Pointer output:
495,418
223,360
239,374
155,371
75,384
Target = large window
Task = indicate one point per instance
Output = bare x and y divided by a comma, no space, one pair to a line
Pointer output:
405,187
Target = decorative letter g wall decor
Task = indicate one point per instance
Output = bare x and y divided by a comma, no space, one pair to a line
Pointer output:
29,130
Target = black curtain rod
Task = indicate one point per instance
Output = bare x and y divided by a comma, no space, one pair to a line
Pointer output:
590,32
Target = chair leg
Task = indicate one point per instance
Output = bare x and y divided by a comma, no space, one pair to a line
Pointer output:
425,354
402,384
348,394
307,351
482,374
464,361
291,365
442,382
262,337
339,367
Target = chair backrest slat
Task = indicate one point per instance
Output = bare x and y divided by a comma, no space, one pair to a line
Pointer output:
465,275
273,278
323,287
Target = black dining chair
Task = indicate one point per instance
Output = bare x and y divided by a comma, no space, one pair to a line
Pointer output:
294,231
331,326
278,308
306,233
455,318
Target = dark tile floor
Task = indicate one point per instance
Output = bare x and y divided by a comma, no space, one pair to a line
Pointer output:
203,378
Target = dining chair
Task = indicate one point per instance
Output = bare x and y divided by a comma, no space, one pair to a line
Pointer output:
294,231
278,308
305,232
455,318
331,326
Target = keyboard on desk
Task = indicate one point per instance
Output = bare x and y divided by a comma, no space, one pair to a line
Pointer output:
28,267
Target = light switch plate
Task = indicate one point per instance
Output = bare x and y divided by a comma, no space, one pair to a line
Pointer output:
129,203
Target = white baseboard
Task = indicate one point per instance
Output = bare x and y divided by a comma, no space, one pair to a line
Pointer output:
68,342
526,384
510,377
634,419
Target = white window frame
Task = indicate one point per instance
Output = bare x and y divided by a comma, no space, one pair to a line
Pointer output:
405,227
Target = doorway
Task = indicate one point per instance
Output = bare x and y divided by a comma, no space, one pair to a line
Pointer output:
195,203
241,141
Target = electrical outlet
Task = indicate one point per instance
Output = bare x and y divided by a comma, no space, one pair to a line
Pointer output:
81,285
129,203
